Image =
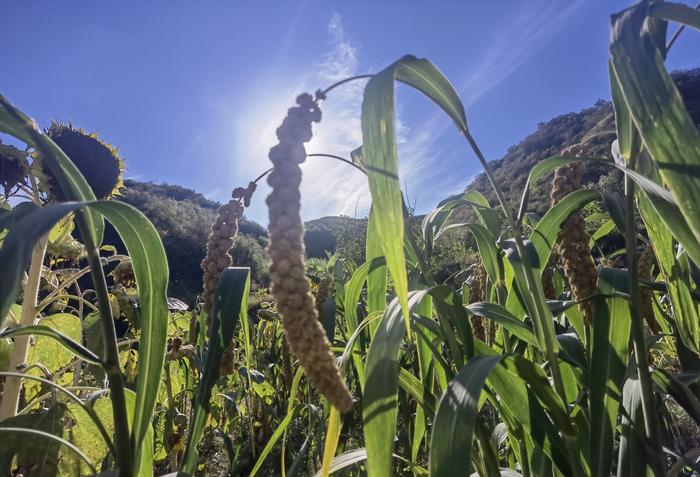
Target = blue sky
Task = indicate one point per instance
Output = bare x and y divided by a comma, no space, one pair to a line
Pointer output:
192,92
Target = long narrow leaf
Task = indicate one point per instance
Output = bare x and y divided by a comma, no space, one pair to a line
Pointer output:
631,460
503,317
226,317
331,442
611,332
380,400
379,408
381,162
373,271
380,156
377,277
451,444
657,109
66,341
151,271
676,12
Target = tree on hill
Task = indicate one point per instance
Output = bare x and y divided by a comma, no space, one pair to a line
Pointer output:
183,219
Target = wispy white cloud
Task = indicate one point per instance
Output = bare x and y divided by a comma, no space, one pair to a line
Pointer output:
334,187
428,151
429,156
512,44
212,195
328,187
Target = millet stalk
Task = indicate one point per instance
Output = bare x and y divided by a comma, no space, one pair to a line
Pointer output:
305,334
651,425
546,325
122,437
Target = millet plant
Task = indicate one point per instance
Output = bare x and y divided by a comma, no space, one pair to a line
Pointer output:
550,360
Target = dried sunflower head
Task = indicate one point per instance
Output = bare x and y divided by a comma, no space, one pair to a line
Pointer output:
68,249
14,168
123,274
98,161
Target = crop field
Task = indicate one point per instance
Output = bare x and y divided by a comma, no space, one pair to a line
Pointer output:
552,353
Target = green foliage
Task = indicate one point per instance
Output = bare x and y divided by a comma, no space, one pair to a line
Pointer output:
342,235
228,309
538,391
185,240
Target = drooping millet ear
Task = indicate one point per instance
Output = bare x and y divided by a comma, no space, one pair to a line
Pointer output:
221,238
289,284
572,242
644,269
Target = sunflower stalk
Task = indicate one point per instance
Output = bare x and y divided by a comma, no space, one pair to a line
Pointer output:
13,385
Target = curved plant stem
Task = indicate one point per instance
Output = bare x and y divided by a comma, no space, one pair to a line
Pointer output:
651,425
338,158
330,156
342,82
13,384
34,433
65,284
42,306
541,316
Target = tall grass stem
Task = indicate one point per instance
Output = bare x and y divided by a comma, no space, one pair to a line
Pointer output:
122,438
651,425
546,326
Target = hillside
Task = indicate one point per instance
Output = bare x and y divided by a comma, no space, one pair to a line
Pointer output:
341,234
183,218
596,124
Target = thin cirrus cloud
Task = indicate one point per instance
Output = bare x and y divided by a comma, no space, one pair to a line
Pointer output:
430,153
435,153
328,187
512,44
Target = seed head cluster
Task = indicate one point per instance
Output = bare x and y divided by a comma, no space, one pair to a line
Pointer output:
228,360
178,350
323,291
287,371
572,242
98,161
221,238
477,293
644,269
13,168
289,284
123,274
548,276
